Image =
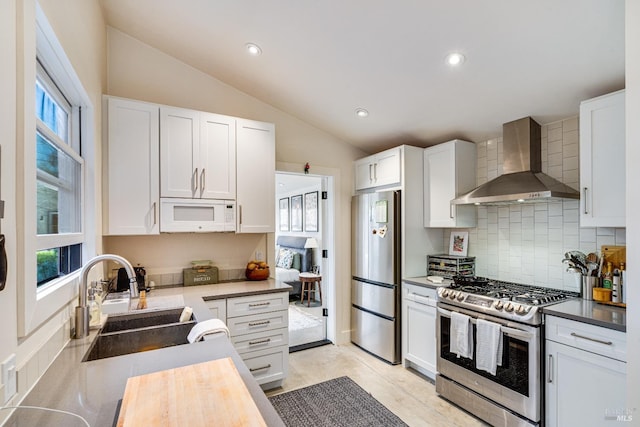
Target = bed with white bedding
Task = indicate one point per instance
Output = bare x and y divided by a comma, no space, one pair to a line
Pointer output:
291,259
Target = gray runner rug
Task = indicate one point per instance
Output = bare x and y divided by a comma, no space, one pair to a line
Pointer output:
333,403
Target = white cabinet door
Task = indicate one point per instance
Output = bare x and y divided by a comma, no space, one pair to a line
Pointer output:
255,180
179,136
583,388
132,150
387,167
217,157
602,161
364,173
419,327
449,171
379,170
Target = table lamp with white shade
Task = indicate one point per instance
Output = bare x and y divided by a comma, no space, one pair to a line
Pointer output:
311,243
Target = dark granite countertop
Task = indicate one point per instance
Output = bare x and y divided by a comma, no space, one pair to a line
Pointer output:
591,312
93,389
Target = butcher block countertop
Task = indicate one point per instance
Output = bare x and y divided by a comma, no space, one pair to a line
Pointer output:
94,390
196,396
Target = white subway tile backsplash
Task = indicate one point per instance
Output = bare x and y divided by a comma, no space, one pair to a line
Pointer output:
526,243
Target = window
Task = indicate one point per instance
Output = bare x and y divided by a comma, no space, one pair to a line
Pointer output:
59,171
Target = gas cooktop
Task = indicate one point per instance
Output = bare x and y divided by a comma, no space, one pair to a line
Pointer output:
502,299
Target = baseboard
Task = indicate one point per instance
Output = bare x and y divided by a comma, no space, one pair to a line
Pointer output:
308,345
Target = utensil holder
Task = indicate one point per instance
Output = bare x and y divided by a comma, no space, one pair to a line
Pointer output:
588,283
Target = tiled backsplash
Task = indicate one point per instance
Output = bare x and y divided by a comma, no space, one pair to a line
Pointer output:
526,243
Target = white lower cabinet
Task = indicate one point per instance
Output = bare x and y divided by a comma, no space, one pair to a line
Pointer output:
218,308
259,328
585,385
419,329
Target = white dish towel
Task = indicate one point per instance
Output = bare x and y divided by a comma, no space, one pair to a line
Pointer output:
206,327
461,335
489,346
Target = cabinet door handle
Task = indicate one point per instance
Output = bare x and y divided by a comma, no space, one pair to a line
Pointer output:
202,180
194,181
260,368
573,334
451,210
370,172
260,341
259,304
584,190
550,370
155,214
375,172
239,215
264,322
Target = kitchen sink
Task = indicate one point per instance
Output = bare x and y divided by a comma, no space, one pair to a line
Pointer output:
137,332
121,322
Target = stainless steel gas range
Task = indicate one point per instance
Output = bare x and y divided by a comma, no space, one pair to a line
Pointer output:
513,395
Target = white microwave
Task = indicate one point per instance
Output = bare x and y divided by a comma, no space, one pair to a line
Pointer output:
197,215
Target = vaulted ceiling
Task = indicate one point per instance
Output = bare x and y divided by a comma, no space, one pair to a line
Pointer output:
322,60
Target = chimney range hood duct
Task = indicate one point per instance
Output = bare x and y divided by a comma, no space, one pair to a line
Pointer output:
522,180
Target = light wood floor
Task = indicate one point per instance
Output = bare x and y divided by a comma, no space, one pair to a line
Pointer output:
403,391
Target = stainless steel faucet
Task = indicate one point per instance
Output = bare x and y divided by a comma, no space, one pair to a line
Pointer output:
82,310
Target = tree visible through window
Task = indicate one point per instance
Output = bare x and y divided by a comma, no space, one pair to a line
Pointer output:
59,182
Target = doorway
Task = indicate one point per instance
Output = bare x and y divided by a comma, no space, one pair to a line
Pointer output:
304,226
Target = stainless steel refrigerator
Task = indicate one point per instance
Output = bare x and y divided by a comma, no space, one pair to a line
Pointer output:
375,284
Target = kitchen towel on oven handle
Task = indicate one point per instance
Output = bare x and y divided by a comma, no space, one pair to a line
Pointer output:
461,333
489,346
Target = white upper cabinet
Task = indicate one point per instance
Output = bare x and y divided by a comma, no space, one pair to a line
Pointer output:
131,193
197,154
602,161
449,171
378,170
256,185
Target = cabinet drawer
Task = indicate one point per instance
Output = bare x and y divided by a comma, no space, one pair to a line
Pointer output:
258,323
596,339
261,340
267,365
253,304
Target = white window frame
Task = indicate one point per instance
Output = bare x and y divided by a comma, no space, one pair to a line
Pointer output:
37,305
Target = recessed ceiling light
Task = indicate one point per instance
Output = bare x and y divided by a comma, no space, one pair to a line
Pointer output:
253,49
361,112
455,59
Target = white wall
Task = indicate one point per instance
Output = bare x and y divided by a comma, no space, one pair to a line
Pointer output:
80,29
526,243
138,71
632,52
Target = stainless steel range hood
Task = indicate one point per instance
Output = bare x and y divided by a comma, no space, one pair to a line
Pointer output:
522,180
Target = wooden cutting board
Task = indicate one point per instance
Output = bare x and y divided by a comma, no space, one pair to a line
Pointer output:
614,254
205,394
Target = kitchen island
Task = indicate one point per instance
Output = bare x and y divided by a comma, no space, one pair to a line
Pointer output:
94,389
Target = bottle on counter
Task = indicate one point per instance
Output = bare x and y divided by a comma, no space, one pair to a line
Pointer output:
623,284
607,277
616,289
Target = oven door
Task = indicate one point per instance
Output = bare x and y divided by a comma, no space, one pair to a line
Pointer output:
516,385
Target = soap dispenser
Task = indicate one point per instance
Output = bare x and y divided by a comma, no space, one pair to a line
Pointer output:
94,309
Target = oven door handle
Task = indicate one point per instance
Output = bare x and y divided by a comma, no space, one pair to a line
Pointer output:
516,332
505,329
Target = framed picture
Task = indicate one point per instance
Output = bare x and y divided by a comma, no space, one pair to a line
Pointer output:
296,213
284,214
458,243
311,211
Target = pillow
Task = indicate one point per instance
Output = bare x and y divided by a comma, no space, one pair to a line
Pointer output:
285,258
297,262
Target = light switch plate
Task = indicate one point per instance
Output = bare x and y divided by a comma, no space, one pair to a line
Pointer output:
9,377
